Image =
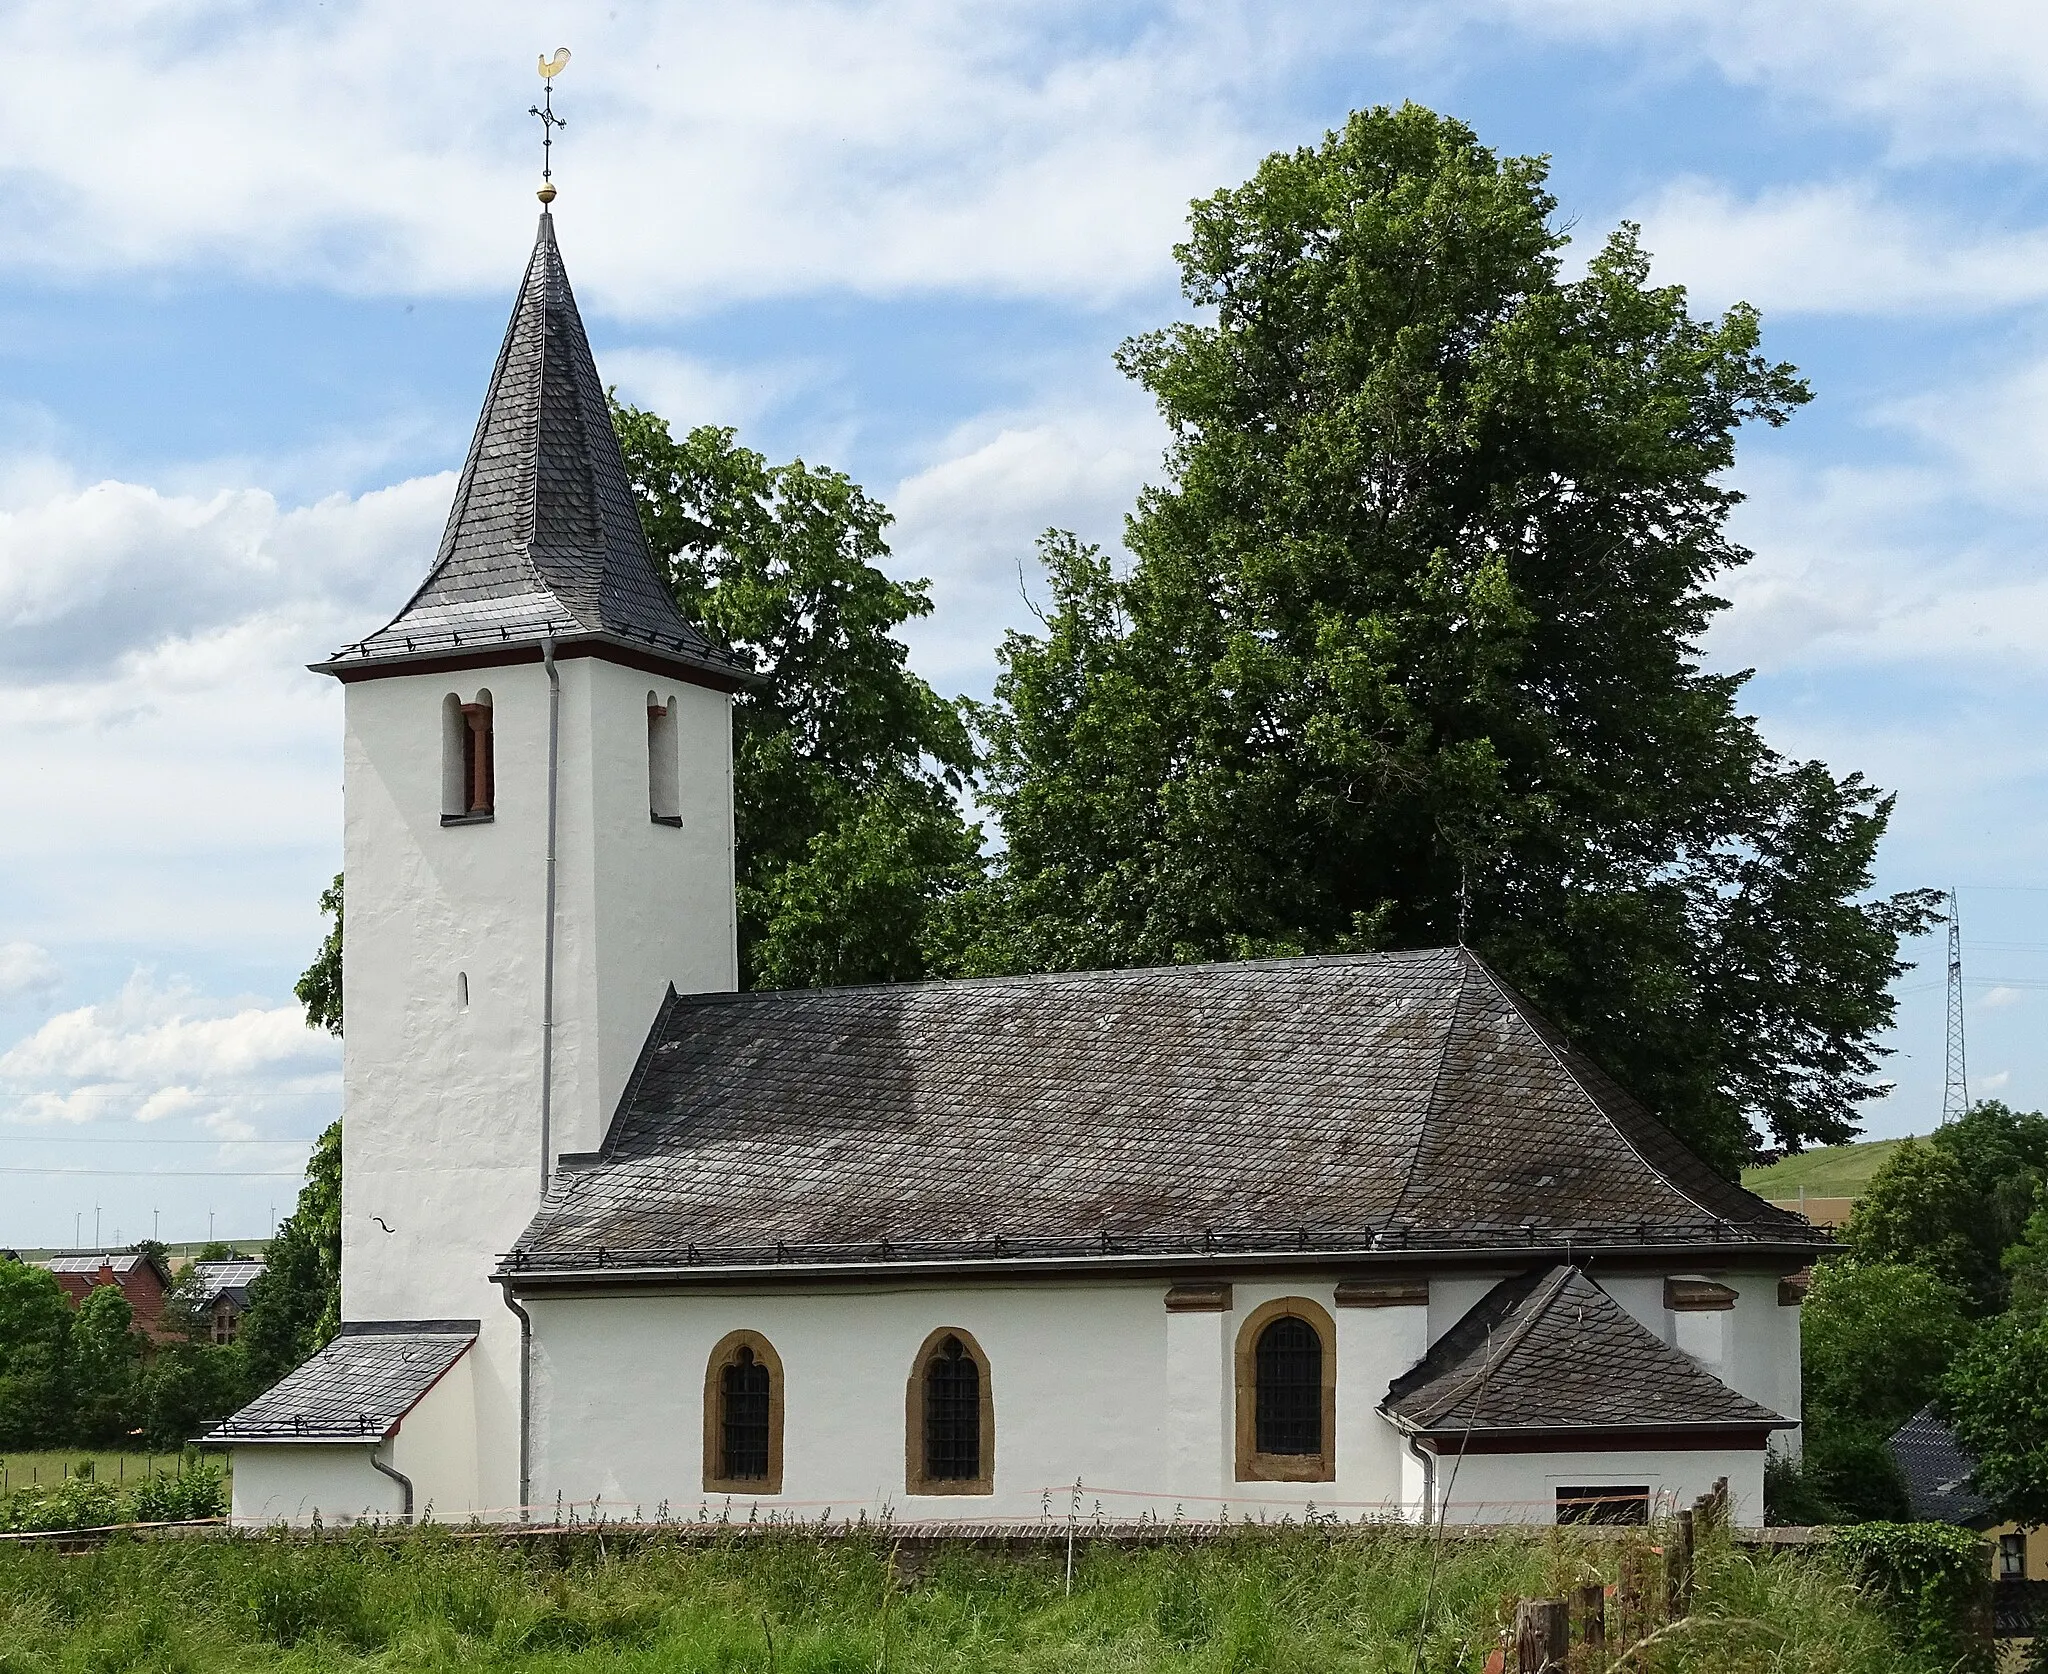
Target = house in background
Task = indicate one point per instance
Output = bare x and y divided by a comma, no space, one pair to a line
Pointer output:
1937,1475
141,1278
220,1294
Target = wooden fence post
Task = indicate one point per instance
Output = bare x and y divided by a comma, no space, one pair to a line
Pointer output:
1678,1566
1631,1600
1543,1640
1593,1622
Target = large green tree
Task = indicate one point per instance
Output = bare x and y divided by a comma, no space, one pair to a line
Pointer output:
847,766
1408,649
35,1327
295,1305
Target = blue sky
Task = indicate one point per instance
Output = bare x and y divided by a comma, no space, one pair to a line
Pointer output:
260,258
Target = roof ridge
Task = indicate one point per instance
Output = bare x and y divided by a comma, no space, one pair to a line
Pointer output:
1297,961
1515,1004
1529,1310
1436,1080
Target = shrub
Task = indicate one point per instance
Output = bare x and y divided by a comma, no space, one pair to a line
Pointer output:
1934,1578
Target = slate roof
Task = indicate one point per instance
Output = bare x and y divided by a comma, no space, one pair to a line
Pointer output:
543,537
356,1389
1552,1351
1360,1102
1937,1473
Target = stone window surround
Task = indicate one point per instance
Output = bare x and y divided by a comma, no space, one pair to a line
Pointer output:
1252,1465
722,1355
915,1481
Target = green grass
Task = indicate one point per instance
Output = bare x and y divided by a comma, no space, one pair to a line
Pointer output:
786,1603
48,1469
1832,1171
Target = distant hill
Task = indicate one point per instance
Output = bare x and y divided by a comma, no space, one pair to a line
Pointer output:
1832,1171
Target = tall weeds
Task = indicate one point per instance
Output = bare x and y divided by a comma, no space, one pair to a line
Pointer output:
1260,1603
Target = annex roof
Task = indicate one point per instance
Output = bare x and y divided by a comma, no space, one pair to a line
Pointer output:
356,1389
1937,1473
543,539
1350,1103
1551,1351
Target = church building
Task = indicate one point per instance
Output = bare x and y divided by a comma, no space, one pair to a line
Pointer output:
1361,1232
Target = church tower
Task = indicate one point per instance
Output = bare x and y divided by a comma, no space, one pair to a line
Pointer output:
539,841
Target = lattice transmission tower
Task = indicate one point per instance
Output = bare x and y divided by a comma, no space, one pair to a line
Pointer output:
1955,1087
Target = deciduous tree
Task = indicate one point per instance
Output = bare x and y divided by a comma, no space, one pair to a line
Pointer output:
1408,649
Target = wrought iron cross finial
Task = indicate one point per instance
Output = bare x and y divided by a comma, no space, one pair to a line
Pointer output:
549,121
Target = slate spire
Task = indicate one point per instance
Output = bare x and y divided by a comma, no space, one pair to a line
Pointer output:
543,538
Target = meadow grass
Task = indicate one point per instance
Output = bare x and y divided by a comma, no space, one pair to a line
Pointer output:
1827,1171
121,1467
788,1603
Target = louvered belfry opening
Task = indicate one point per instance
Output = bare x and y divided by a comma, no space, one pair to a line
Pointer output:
952,1414
479,760
1290,1392
743,1418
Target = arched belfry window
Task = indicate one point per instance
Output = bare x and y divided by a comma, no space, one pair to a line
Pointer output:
950,1428
469,778
1287,1393
664,795
743,1416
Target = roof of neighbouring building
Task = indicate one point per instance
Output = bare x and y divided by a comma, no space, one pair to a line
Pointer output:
120,1262
1355,1102
1937,1473
543,539
230,1279
357,1388
1552,1351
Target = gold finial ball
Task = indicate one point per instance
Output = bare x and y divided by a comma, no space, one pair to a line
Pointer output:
546,194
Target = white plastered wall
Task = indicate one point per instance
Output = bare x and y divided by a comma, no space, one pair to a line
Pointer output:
1522,1487
1093,1381
435,1447
289,1483
441,1100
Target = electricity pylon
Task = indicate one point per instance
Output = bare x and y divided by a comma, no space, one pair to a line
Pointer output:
1955,1089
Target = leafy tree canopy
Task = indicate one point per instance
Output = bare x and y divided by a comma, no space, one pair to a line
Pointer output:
1408,649
1996,1396
319,988
1860,1315
846,764
295,1306
1958,1202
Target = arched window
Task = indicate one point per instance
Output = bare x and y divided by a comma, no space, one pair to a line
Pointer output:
951,1428
469,788
743,1416
664,799
1286,1393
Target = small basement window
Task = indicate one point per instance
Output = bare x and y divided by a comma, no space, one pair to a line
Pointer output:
1582,1503
468,761
664,795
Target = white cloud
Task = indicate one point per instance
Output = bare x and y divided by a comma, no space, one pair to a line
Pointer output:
161,1050
687,391
749,147
26,972
1991,1083
968,520
1835,248
1962,76
2001,997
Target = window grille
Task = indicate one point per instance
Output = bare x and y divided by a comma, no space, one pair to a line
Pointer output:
1586,1504
744,1418
952,1414
1290,1393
